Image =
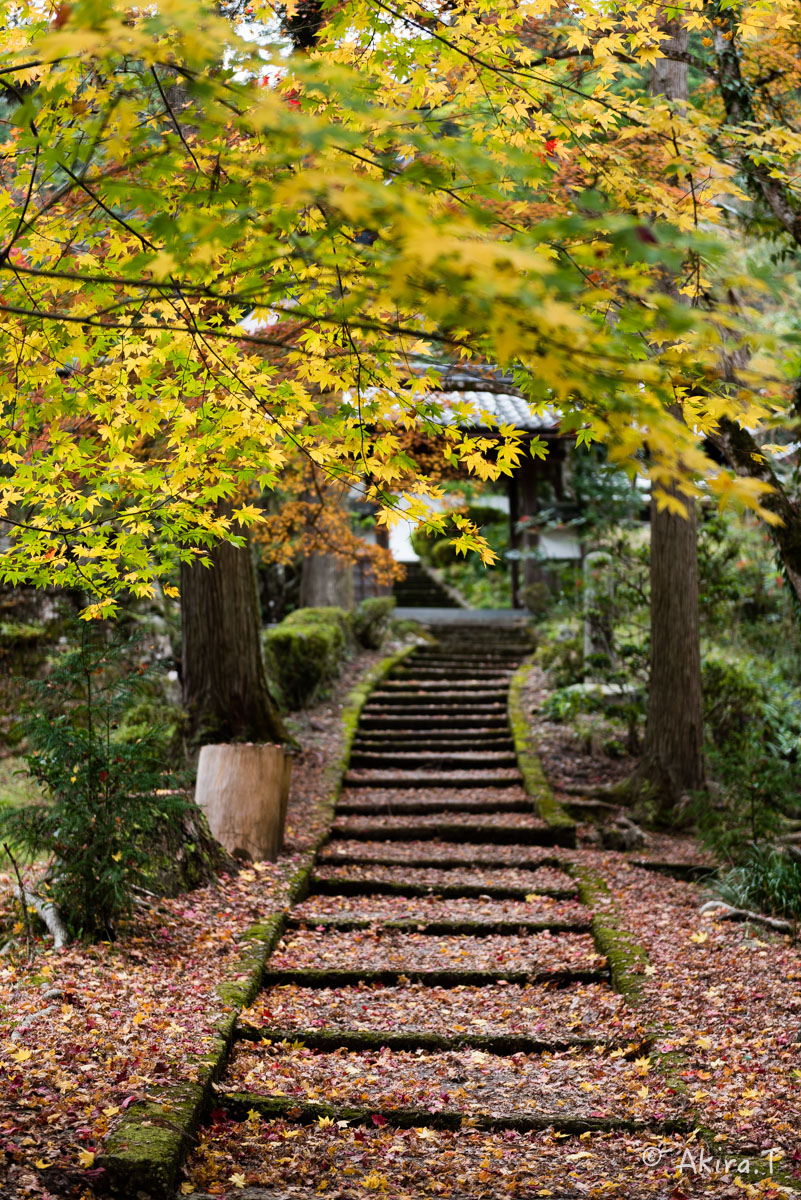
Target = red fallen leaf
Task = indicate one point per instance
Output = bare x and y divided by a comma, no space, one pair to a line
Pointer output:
128,1100
377,1119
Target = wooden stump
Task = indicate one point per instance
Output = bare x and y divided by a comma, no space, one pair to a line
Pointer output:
243,790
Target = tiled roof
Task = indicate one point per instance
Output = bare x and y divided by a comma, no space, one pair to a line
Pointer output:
508,408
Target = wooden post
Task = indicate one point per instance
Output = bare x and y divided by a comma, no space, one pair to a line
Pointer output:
243,789
514,517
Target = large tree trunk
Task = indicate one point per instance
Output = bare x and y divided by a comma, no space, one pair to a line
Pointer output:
224,686
326,580
672,763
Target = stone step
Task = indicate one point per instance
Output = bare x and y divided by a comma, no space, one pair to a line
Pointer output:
334,1039
503,1019
371,805
463,669
500,883
434,914
462,1163
365,952
416,743
411,695
509,829
428,779
416,721
470,706
423,853
443,761
335,976
431,687
497,658
526,1091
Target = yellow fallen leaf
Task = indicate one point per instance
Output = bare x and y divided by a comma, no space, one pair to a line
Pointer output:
237,1179
86,1158
117,856
112,1110
704,1043
186,1187
22,1055
138,1018
41,1164
699,938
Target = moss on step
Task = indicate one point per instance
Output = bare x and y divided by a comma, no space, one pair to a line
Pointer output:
558,820
143,1155
239,1104
334,978
422,1039
388,887
627,958
443,928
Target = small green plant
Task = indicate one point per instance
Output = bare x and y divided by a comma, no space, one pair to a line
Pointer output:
768,881
563,705
104,797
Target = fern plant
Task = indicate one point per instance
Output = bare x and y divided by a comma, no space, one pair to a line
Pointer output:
104,798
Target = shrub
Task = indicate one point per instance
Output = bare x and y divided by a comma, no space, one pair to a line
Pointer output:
371,620
768,881
753,725
732,700
303,657
339,618
563,657
105,798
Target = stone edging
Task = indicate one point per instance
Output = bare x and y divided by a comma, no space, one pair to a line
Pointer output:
143,1156
534,781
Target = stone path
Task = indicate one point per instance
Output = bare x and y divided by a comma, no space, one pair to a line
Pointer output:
437,1020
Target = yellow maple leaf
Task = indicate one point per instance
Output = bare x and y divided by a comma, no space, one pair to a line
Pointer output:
86,1158
237,1179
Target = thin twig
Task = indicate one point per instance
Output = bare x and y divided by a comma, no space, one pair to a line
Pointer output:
26,916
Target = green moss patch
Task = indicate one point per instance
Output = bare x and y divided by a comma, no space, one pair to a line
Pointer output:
561,824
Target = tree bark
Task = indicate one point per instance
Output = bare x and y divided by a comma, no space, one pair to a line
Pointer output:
743,454
672,763
326,580
225,690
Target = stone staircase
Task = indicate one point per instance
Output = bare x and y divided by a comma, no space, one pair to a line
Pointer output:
421,589
437,1020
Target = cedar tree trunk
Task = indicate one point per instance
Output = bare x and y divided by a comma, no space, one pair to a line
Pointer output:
672,761
326,580
224,686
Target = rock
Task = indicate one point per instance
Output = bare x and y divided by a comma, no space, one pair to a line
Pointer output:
622,834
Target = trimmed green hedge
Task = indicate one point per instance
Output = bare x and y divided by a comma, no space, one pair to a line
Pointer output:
333,618
302,658
371,621
306,651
